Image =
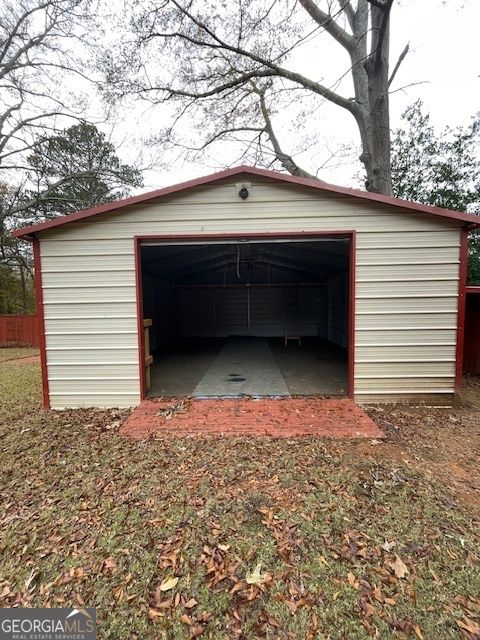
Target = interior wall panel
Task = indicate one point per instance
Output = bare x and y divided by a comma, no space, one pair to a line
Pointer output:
221,312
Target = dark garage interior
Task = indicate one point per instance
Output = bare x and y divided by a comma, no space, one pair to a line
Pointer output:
247,318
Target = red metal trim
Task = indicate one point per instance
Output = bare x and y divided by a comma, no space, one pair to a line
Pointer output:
26,232
462,285
351,317
139,300
350,234
472,289
37,265
272,235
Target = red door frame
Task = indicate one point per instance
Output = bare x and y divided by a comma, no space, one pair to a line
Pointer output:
166,239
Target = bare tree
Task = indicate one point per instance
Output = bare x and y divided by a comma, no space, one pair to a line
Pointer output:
35,60
41,73
231,68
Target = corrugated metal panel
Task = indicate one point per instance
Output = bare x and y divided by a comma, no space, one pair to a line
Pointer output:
391,386
105,340
338,309
58,249
383,353
407,279
385,368
110,277
406,272
73,309
424,289
96,370
256,312
78,355
90,398
374,337
445,303
406,255
72,384
246,224
413,321
91,292
67,324
435,237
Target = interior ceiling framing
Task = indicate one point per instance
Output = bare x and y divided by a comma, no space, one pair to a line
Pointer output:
244,262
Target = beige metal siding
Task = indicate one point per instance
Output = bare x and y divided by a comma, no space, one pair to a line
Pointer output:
406,287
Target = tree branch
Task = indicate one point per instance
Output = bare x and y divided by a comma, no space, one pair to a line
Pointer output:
293,76
286,160
401,58
327,22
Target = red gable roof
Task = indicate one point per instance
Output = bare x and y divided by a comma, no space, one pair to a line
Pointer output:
30,231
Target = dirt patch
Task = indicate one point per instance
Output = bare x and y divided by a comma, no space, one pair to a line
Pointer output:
444,442
24,360
331,418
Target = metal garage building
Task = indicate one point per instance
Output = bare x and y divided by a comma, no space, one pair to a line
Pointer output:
256,283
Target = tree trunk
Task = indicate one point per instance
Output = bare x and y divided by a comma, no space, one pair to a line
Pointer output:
378,169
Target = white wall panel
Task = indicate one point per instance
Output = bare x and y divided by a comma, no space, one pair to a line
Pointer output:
91,355
405,353
407,283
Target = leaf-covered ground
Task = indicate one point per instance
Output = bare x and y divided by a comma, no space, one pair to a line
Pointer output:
236,537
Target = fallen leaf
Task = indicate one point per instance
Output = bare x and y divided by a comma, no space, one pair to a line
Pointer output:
168,584
323,560
153,613
417,631
109,565
469,625
255,576
191,603
399,567
352,581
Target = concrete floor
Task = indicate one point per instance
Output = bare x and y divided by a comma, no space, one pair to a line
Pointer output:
243,367
233,367
316,368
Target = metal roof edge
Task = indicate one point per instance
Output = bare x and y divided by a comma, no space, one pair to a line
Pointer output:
27,233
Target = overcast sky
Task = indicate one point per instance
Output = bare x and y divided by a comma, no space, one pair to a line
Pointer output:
444,42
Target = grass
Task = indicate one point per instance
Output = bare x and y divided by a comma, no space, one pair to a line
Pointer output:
11,353
321,530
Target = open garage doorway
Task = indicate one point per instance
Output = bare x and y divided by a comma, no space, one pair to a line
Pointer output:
252,316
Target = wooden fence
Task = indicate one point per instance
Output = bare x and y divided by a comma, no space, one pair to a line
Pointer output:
18,331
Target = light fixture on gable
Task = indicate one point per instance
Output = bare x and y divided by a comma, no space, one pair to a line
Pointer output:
243,189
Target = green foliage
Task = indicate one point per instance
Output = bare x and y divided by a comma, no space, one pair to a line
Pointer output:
15,296
69,171
440,169
474,258
77,169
